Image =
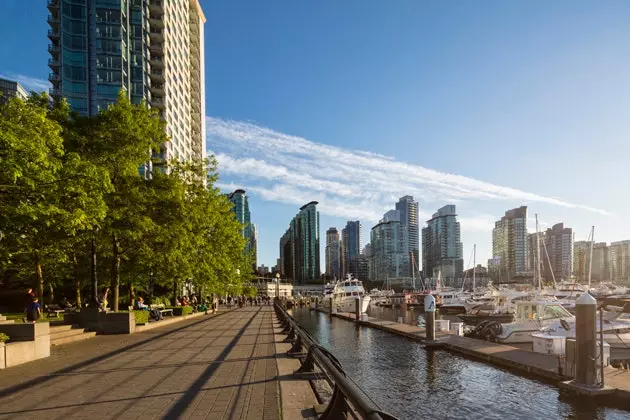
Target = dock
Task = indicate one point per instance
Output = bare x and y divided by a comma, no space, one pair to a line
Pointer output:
545,367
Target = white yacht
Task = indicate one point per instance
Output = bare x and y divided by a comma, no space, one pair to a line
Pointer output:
328,294
345,294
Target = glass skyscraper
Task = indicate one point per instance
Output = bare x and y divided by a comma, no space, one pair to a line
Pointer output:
299,246
243,215
351,245
151,49
442,248
509,245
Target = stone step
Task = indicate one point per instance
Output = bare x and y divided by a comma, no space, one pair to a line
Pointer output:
3,318
71,338
60,328
7,321
66,332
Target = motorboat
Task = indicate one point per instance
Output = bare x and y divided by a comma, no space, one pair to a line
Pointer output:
346,293
379,297
328,294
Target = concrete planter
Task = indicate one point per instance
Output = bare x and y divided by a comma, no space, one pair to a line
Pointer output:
28,342
2,356
108,322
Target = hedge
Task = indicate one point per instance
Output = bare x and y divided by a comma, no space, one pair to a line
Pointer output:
3,337
181,310
142,317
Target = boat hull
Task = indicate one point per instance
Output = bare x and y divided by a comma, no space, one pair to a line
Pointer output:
349,305
476,319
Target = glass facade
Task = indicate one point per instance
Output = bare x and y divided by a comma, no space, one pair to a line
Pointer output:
442,249
510,245
299,246
351,243
240,209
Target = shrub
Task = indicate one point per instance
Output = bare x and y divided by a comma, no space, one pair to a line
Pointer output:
187,310
180,310
3,337
142,317
161,300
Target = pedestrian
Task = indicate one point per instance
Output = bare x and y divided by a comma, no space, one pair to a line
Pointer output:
28,300
34,310
229,302
103,298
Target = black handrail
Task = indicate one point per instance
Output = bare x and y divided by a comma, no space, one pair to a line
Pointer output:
347,395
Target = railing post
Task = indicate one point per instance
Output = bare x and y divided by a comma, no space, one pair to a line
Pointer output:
337,407
297,347
291,336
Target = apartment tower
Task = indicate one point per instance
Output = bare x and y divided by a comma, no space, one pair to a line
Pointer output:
153,50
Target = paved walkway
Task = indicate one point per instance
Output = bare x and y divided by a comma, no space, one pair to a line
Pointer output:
222,367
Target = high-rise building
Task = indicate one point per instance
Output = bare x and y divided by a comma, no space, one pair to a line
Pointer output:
299,246
602,261
619,261
409,219
557,253
240,208
10,89
442,249
351,243
333,253
388,249
509,245
153,50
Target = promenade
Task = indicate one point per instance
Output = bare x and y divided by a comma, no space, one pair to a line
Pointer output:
214,367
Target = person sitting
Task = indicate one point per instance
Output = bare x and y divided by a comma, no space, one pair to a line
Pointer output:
154,313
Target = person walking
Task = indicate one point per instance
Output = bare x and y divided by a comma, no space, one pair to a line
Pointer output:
34,310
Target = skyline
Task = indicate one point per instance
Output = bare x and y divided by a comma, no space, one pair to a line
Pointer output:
488,108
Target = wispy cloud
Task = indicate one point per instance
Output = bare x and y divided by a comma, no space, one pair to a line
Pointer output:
347,183
29,83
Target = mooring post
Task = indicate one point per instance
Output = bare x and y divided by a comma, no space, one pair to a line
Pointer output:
429,317
357,308
586,340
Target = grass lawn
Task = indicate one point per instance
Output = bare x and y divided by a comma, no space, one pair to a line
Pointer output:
19,317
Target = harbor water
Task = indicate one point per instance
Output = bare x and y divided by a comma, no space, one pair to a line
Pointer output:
413,383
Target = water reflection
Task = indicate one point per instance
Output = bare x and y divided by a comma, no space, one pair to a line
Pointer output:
412,383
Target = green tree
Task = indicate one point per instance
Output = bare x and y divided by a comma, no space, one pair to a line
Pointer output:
46,195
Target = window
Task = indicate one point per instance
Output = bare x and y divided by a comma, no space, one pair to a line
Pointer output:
74,72
108,90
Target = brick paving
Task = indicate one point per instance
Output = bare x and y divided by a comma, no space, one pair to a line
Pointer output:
222,367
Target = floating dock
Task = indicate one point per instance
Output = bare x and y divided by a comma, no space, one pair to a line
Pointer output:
541,366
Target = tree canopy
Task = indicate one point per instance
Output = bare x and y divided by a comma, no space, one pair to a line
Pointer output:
68,181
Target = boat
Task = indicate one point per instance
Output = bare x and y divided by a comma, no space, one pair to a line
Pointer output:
328,295
346,293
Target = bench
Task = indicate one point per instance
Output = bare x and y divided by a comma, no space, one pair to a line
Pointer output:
57,310
163,311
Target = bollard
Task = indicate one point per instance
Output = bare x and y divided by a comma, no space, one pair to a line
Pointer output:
357,308
429,317
586,341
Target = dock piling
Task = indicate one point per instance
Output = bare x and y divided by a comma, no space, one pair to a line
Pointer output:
429,317
586,341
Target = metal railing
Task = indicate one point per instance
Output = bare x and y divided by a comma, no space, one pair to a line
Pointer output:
348,399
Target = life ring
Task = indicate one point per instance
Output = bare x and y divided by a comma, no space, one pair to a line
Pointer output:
565,324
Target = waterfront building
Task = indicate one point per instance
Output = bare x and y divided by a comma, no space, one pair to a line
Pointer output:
558,256
509,245
333,253
409,219
299,246
620,261
10,89
351,245
240,208
263,269
602,263
363,272
442,249
389,258
153,50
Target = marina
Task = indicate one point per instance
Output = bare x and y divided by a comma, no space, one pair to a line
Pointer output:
410,380
519,359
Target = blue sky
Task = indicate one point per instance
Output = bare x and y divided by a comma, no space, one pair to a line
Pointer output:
527,101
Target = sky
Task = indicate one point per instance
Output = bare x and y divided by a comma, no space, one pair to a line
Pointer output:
487,105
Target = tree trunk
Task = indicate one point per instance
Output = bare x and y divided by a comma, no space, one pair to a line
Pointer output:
77,280
115,280
174,299
132,292
51,291
40,282
93,275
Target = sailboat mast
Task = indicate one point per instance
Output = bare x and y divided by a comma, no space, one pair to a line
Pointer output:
537,268
590,258
474,264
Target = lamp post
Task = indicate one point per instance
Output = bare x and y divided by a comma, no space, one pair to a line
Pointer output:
278,286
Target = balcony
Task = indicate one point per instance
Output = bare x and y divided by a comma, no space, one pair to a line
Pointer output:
157,90
156,35
54,92
53,63
156,62
52,5
156,49
54,78
156,7
156,21
53,35
53,49
53,21
158,103
157,76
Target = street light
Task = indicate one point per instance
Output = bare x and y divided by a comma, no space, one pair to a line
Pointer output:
278,286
